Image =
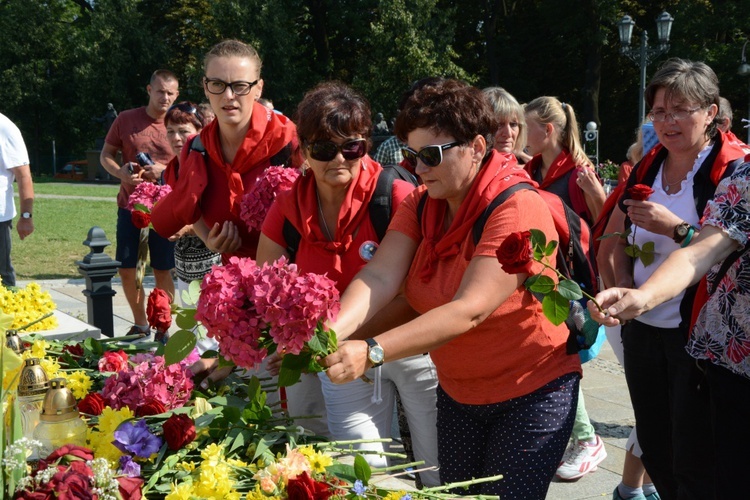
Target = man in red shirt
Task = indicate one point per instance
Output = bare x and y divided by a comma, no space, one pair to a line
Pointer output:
133,131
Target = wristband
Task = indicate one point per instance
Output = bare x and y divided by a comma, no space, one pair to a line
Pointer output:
689,237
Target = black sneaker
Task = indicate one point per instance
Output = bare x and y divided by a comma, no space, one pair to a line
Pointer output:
161,336
135,334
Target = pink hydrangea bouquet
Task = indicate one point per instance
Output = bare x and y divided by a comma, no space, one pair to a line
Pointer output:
142,201
256,202
149,381
254,311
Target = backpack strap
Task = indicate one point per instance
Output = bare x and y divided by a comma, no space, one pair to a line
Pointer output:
478,227
197,145
731,259
380,206
292,238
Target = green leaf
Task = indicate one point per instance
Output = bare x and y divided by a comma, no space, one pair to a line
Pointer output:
550,248
543,285
342,471
531,280
647,253
179,345
569,289
538,238
185,320
195,291
253,389
141,208
316,345
225,362
555,308
296,361
632,251
362,469
232,414
289,376
332,339
265,443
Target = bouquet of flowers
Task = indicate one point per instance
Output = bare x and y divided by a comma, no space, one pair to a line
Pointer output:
256,202
142,201
256,310
31,307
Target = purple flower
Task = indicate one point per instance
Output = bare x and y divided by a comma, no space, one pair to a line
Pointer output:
131,468
136,439
359,488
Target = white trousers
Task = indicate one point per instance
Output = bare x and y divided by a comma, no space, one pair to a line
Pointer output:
353,414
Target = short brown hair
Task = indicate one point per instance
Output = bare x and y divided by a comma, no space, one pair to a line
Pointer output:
185,112
232,48
452,107
164,74
686,80
332,109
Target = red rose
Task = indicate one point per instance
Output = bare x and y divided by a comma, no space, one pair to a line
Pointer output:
113,361
640,192
152,407
73,482
179,430
75,350
92,404
67,454
130,487
158,310
303,487
45,493
140,219
515,253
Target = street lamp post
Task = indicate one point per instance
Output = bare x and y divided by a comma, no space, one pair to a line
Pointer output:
744,70
645,54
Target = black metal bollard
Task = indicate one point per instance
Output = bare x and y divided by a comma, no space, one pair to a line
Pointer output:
98,268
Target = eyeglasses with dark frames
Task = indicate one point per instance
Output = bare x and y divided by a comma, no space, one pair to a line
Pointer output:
327,150
431,155
218,87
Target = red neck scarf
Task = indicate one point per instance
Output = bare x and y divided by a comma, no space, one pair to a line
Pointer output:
561,165
268,133
302,209
500,171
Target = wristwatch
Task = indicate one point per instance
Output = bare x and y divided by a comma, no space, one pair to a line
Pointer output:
375,353
681,231
26,215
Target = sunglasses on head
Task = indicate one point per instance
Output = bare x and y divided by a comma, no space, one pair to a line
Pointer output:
431,156
327,150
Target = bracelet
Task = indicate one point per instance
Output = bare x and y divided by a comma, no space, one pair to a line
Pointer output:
689,237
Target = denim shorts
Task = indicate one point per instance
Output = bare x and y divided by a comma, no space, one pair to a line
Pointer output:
161,250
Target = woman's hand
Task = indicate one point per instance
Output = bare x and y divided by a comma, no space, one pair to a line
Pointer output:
209,368
182,232
223,238
588,181
273,363
653,217
619,305
348,363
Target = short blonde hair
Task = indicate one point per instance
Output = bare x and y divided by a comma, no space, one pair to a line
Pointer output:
506,108
232,48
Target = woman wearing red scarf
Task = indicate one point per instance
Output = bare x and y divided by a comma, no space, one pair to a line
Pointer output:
559,164
243,140
668,390
328,207
507,389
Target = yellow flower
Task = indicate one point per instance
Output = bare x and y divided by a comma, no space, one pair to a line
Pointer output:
28,304
200,407
395,495
39,348
52,367
183,491
186,466
319,462
79,383
212,455
111,419
213,482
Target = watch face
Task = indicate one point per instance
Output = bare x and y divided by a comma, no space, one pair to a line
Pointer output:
376,354
682,230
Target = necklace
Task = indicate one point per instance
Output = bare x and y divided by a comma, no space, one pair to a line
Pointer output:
323,219
665,182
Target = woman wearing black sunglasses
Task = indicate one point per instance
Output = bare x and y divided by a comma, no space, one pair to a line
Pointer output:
507,392
329,208
243,140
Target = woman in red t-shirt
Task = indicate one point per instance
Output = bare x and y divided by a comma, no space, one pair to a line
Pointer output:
508,389
329,207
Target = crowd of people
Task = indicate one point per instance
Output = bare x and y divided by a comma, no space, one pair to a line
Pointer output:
488,384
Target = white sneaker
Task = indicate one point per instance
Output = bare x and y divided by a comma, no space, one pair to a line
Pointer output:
581,458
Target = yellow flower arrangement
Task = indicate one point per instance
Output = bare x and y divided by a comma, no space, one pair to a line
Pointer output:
79,383
26,305
100,441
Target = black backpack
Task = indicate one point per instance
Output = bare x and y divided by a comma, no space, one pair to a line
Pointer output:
575,257
379,207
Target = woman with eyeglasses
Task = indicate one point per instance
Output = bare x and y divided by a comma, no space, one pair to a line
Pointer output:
329,207
667,388
559,163
192,259
507,387
232,151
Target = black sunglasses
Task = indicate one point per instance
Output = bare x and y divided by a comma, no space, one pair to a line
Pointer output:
432,155
327,150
